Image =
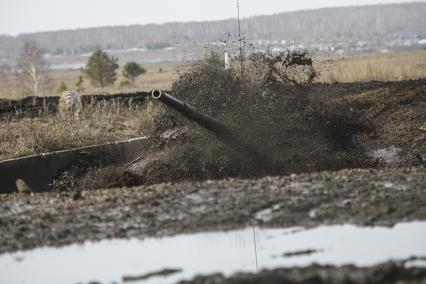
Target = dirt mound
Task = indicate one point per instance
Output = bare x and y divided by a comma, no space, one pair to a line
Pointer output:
277,128
398,111
398,138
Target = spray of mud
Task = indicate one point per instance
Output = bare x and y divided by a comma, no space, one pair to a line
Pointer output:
278,125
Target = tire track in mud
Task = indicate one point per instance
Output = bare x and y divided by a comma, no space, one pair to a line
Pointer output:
363,197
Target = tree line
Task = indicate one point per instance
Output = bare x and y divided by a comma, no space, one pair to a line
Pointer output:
362,23
101,69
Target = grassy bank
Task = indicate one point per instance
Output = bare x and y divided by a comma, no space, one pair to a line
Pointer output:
100,123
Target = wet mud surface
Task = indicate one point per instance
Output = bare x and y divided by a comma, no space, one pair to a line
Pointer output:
397,113
363,197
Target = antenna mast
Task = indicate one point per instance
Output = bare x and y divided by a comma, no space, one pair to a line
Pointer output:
240,39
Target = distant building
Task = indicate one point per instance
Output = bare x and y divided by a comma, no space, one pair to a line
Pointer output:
409,37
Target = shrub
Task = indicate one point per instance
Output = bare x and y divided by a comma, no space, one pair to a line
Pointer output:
125,83
271,114
132,70
79,84
101,69
62,88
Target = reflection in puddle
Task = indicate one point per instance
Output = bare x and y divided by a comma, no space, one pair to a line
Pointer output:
205,253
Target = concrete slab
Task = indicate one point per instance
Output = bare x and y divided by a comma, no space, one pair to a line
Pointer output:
38,171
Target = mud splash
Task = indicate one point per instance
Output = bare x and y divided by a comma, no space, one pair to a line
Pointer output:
185,256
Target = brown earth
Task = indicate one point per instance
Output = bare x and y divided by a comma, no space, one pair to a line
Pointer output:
391,189
385,126
395,109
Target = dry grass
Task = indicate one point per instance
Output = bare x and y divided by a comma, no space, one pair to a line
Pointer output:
101,123
110,122
372,67
333,68
158,76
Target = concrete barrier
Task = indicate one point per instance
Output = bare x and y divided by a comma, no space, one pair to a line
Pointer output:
38,171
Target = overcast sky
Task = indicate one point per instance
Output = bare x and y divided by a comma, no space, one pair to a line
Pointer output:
23,16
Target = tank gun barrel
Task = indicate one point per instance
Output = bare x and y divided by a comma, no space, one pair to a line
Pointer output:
220,130
191,113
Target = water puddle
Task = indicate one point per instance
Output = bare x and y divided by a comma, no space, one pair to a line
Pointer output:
170,259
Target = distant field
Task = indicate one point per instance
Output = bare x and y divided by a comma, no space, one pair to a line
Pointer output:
372,67
332,68
158,76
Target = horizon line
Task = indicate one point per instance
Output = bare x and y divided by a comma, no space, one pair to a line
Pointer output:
208,21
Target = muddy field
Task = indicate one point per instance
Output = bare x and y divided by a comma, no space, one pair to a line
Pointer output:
364,197
384,188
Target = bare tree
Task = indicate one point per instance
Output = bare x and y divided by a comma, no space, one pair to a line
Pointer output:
32,65
5,72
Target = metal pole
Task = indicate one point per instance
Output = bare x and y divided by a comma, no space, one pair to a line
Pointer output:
240,40
255,249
